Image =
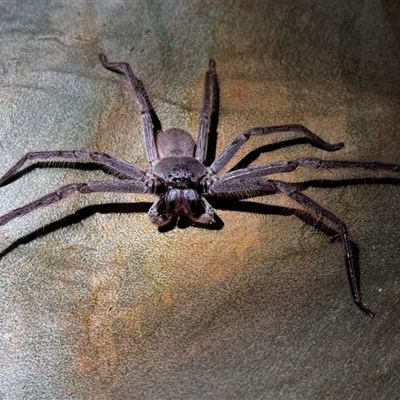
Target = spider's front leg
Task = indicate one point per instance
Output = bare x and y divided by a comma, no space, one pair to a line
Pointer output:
114,164
151,123
261,186
210,108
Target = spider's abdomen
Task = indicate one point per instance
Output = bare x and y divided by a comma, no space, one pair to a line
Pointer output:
180,172
175,142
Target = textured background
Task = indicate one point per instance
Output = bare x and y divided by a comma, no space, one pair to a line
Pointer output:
102,305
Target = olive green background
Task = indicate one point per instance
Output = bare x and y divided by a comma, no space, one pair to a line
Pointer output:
106,306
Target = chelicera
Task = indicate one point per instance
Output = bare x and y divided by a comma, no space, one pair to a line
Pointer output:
185,181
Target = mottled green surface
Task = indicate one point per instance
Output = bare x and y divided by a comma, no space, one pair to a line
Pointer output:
109,308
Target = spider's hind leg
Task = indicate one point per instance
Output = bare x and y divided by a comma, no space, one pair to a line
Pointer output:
255,186
331,220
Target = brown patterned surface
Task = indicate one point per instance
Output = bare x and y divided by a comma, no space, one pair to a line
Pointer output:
108,307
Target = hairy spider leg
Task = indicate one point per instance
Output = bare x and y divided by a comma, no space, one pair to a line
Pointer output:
113,164
210,103
150,121
259,186
313,163
125,186
237,143
329,218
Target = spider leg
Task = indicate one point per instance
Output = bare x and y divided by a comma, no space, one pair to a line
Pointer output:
114,164
210,102
150,121
236,144
313,163
262,186
329,218
124,186
316,163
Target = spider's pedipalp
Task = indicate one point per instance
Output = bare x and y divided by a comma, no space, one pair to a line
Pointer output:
181,202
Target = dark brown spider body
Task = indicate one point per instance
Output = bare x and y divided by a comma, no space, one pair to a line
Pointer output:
181,176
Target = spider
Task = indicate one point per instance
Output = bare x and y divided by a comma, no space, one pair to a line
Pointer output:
184,180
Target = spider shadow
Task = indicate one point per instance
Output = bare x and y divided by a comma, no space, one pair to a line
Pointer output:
219,204
77,217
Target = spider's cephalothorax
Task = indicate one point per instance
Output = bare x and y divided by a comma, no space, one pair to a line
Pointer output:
180,177
186,177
